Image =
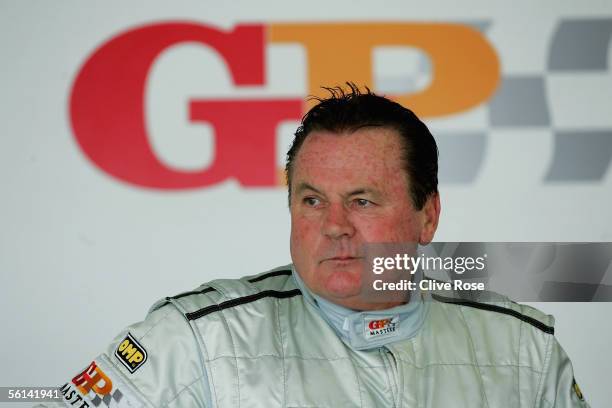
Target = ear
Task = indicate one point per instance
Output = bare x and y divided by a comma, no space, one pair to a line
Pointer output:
431,215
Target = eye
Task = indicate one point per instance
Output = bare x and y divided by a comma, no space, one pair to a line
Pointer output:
363,203
311,201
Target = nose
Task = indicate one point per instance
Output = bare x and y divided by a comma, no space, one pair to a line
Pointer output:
337,223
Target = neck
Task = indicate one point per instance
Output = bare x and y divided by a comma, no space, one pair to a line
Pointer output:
357,303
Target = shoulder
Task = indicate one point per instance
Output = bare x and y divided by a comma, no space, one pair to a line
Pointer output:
508,334
227,315
161,360
496,331
222,294
490,307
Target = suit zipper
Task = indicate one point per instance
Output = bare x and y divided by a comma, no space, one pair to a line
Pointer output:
390,362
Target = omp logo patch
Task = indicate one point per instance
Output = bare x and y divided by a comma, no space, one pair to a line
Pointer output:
131,354
381,327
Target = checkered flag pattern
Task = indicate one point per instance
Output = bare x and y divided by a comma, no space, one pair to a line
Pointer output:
108,400
564,97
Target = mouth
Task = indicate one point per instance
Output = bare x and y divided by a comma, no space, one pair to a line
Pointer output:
342,259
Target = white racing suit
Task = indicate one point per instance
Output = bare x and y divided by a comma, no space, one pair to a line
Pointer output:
256,342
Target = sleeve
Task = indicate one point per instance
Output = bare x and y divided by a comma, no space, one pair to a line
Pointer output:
153,363
559,388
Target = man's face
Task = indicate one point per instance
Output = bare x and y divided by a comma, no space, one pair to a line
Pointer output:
347,190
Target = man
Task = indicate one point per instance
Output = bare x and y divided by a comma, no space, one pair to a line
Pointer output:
362,170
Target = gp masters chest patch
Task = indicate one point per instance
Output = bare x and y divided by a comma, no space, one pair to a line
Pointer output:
131,354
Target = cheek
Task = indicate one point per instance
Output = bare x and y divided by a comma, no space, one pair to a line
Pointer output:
408,228
403,227
301,227
303,236
378,232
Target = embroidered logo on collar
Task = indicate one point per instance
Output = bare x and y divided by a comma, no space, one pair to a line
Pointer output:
377,328
131,353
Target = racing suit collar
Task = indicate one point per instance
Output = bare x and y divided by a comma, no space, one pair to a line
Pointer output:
367,330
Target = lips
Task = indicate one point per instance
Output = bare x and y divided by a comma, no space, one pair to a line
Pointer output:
342,258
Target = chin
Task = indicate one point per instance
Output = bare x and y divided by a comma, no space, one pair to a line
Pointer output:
343,283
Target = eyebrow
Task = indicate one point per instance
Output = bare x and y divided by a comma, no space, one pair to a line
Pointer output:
305,186
360,191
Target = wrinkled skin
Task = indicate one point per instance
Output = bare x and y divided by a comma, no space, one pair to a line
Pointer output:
349,189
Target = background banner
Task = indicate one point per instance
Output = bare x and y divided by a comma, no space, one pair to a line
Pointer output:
142,146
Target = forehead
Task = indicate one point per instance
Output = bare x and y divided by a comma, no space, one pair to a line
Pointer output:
369,155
